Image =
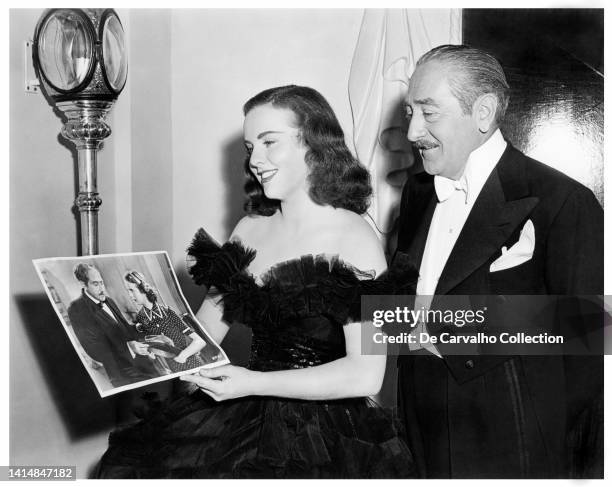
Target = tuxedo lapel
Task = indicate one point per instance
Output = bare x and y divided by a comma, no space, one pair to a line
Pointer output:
115,310
501,206
102,315
119,320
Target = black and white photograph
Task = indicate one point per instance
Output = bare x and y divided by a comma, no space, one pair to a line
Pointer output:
271,169
127,319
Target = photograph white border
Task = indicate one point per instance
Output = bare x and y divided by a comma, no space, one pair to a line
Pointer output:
104,392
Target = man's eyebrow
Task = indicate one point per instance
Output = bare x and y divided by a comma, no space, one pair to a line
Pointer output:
426,101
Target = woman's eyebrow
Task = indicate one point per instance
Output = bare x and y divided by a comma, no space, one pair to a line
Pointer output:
268,132
263,134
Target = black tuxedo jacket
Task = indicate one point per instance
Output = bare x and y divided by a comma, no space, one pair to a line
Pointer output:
489,416
105,340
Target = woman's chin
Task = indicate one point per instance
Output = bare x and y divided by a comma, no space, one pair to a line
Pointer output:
272,195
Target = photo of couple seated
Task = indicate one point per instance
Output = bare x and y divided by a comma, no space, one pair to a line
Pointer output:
279,224
124,330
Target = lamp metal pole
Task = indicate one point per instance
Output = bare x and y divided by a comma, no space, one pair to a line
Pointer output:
86,128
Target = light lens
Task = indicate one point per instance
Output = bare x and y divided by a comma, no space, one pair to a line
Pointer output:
113,52
65,49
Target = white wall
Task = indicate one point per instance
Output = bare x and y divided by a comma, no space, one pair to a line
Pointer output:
172,164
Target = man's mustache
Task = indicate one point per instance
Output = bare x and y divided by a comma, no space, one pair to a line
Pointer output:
425,144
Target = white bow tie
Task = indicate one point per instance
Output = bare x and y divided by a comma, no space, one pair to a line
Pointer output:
446,187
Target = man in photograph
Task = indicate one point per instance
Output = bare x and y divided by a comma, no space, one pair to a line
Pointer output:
105,334
484,219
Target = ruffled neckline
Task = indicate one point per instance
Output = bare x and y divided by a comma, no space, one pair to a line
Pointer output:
272,272
203,241
303,285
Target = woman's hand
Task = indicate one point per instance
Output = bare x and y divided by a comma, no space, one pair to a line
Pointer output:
180,358
225,382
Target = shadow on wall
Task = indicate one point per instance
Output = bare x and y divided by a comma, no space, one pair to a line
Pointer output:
400,160
81,409
237,342
234,157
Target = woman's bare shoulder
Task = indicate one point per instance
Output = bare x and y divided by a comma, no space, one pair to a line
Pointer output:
249,228
359,243
352,226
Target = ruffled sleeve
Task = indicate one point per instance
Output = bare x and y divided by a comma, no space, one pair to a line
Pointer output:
222,267
215,265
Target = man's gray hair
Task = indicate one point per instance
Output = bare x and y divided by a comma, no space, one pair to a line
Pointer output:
473,73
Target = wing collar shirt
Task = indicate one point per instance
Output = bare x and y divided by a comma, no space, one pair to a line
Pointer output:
455,201
103,305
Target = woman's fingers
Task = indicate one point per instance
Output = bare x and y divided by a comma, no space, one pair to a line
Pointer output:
204,383
216,372
225,382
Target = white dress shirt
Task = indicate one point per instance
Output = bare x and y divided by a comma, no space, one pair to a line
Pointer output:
455,201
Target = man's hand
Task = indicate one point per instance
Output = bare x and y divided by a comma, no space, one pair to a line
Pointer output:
139,348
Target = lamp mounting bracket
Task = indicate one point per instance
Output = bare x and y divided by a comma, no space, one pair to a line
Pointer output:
31,82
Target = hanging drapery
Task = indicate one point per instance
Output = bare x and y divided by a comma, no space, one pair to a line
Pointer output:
389,45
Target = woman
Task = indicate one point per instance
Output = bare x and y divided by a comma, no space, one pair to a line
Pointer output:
155,319
290,272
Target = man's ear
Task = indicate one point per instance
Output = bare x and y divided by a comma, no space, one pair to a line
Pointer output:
484,111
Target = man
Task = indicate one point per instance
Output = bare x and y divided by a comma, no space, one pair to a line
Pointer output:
105,334
491,416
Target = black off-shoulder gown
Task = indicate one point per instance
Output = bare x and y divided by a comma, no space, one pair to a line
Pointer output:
296,314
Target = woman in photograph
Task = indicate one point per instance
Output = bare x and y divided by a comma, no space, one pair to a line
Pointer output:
293,270
155,319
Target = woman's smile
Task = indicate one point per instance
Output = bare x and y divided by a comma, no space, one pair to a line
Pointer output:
266,175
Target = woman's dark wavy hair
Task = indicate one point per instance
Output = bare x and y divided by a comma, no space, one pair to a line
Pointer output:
335,177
